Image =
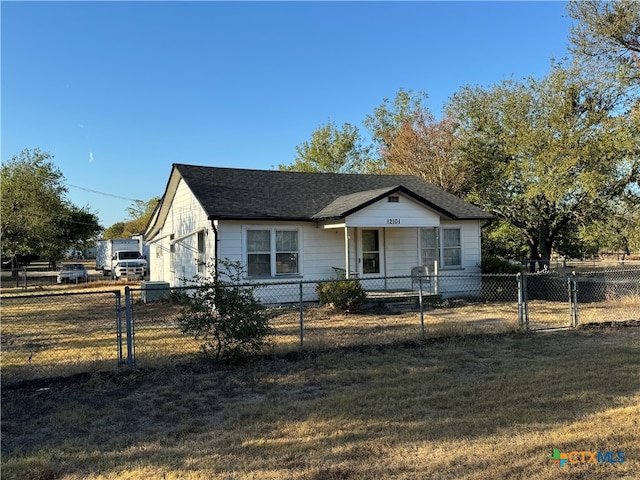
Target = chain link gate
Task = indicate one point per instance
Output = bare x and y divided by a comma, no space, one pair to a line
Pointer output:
60,334
547,301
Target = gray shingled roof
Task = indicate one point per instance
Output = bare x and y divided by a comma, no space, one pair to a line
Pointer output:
231,193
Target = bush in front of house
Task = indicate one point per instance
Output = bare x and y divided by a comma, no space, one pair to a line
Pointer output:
345,295
496,265
225,315
498,280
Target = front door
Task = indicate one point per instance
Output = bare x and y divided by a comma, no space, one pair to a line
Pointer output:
371,258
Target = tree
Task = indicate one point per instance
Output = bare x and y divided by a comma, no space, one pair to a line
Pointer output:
410,141
331,149
616,229
32,196
139,214
546,154
79,228
427,149
608,34
115,231
503,240
606,40
37,219
391,117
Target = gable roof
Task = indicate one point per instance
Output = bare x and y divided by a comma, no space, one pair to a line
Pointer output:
240,194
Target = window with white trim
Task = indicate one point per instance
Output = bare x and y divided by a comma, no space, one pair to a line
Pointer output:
272,252
286,251
202,263
451,247
441,244
429,247
258,253
370,251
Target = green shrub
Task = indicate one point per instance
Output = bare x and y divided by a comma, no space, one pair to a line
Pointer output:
496,265
345,295
225,315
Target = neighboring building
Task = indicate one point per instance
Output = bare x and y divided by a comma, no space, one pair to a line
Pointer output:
296,225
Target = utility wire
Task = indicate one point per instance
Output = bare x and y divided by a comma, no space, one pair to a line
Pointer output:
106,194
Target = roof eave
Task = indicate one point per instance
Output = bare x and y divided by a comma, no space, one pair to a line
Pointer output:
259,218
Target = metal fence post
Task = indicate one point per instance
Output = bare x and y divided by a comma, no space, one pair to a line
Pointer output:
127,303
119,327
520,302
573,300
525,303
301,318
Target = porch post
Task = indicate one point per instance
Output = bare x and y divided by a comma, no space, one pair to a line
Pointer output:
436,282
346,252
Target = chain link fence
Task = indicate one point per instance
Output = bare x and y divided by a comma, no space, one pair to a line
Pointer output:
48,335
60,334
608,295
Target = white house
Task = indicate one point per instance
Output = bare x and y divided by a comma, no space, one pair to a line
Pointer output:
285,226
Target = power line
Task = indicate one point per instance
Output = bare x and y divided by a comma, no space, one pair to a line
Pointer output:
106,194
75,222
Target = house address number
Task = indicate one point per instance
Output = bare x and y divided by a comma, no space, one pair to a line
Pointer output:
393,221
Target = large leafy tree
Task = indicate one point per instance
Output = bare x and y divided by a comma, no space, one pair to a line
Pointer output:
546,155
607,35
37,219
605,40
78,229
331,149
427,149
388,121
410,141
616,230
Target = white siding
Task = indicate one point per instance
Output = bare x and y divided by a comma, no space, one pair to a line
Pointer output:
405,213
402,251
463,286
470,238
185,218
320,250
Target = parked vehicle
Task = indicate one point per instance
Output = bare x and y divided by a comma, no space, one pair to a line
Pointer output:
129,269
73,273
111,252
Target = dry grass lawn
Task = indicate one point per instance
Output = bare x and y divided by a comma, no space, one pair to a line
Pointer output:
480,407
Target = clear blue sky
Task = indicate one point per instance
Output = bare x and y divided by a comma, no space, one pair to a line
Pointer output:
118,91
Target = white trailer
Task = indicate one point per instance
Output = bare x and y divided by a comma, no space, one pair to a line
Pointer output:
108,250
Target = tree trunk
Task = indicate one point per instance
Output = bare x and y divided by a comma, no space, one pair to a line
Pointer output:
534,255
14,267
546,245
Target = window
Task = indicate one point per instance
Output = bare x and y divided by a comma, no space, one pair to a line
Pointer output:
451,247
429,247
258,252
370,251
272,250
202,263
443,245
286,252
394,199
